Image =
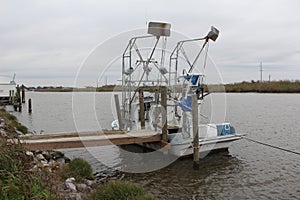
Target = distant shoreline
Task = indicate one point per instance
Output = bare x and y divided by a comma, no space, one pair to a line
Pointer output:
242,87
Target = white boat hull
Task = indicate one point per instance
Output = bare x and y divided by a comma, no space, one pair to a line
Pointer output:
205,146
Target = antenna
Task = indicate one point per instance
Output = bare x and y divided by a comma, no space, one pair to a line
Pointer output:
13,80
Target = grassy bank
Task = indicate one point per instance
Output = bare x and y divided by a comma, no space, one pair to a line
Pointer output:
265,87
17,179
253,86
23,176
11,123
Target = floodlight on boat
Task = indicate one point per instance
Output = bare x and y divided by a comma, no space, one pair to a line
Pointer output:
159,29
129,71
163,70
213,34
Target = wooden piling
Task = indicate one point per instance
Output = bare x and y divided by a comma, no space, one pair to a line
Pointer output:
20,106
142,108
18,94
12,97
29,106
23,93
163,103
117,103
15,106
195,131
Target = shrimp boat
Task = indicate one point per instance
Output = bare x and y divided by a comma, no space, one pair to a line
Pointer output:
145,75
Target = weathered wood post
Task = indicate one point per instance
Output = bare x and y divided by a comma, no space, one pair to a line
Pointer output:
195,131
163,103
29,106
117,103
23,93
18,94
18,103
10,97
142,108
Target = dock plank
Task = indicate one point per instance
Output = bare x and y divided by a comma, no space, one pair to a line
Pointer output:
78,140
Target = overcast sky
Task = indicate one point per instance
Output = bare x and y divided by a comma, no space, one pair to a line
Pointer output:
45,42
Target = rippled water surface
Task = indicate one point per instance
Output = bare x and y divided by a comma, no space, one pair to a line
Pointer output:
247,171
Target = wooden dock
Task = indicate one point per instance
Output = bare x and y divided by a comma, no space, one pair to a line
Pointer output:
88,139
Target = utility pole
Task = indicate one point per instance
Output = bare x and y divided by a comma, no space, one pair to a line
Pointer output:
269,77
261,72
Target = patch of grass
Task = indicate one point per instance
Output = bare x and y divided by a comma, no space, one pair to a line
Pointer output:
12,123
121,191
7,115
21,128
79,169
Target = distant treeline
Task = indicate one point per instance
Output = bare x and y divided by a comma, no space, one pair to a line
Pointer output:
259,87
253,86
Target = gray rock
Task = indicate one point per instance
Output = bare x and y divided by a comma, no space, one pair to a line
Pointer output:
78,196
29,153
3,133
81,187
89,182
53,163
46,155
45,163
70,180
40,157
61,161
38,152
56,154
71,186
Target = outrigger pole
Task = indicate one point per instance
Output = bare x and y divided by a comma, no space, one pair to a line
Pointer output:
213,35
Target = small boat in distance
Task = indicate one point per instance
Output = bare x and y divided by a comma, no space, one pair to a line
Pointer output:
141,106
7,88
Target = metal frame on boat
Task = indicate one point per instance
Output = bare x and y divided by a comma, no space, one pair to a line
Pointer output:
144,106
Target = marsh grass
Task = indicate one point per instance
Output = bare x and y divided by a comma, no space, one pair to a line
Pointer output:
77,168
12,122
17,180
121,190
265,87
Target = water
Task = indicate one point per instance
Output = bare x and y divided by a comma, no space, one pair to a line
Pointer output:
247,171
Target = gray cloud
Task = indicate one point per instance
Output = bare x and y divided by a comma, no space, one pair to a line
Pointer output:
51,39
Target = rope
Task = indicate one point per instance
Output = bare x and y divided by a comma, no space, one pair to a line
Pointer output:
272,146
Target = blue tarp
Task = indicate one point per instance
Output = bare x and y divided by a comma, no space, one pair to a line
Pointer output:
186,104
193,77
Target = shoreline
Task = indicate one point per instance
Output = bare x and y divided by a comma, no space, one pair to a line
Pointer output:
241,87
50,174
